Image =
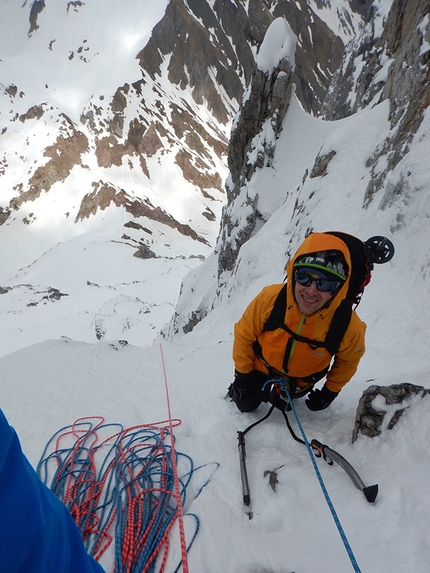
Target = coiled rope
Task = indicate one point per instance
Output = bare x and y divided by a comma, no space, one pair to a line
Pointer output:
120,487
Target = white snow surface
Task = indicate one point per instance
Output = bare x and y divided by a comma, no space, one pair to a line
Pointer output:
279,43
54,370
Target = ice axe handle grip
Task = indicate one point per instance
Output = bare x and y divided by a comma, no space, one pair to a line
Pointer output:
319,451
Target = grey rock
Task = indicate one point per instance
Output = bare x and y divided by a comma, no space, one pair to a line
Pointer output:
144,252
370,419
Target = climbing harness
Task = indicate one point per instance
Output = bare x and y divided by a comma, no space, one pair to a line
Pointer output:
316,450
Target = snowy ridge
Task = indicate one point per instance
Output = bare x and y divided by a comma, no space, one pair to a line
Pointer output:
64,41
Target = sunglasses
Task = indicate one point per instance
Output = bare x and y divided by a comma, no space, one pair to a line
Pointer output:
305,278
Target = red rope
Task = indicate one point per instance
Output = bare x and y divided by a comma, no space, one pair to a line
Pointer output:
73,484
175,473
75,479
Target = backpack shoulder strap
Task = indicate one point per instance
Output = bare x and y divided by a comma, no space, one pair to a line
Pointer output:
336,331
338,327
277,314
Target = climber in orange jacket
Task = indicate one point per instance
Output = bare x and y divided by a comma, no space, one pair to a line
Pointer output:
318,277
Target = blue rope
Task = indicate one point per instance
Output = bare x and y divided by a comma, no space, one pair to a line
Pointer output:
351,556
136,469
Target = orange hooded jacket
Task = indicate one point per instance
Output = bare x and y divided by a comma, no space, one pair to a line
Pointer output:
304,360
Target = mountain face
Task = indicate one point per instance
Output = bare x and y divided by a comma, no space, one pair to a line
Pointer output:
381,87
162,128
396,70
194,68
114,129
141,124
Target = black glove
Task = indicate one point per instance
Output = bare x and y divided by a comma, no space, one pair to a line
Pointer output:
244,392
278,397
320,399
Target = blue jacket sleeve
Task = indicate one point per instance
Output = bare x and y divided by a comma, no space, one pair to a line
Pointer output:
37,532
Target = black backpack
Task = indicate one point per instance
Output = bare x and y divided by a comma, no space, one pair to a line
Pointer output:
363,256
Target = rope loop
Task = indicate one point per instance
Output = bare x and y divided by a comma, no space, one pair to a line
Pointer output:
118,484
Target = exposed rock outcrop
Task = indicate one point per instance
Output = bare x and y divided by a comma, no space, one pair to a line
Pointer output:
406,40
105,195
381,407
36,9
268,100
36,295
63,155
144,252
266,104
318,55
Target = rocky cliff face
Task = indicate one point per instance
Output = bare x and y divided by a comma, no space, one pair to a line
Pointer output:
318,55
386,64
396,69
195,68
388,60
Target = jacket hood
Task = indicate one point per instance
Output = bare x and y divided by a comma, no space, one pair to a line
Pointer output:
314,243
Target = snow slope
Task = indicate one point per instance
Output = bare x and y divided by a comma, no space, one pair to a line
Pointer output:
50,384
52,375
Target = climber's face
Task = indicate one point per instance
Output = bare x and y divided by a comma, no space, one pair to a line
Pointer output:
309,298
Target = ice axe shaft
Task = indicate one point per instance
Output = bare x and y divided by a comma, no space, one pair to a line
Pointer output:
244,473
242,456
